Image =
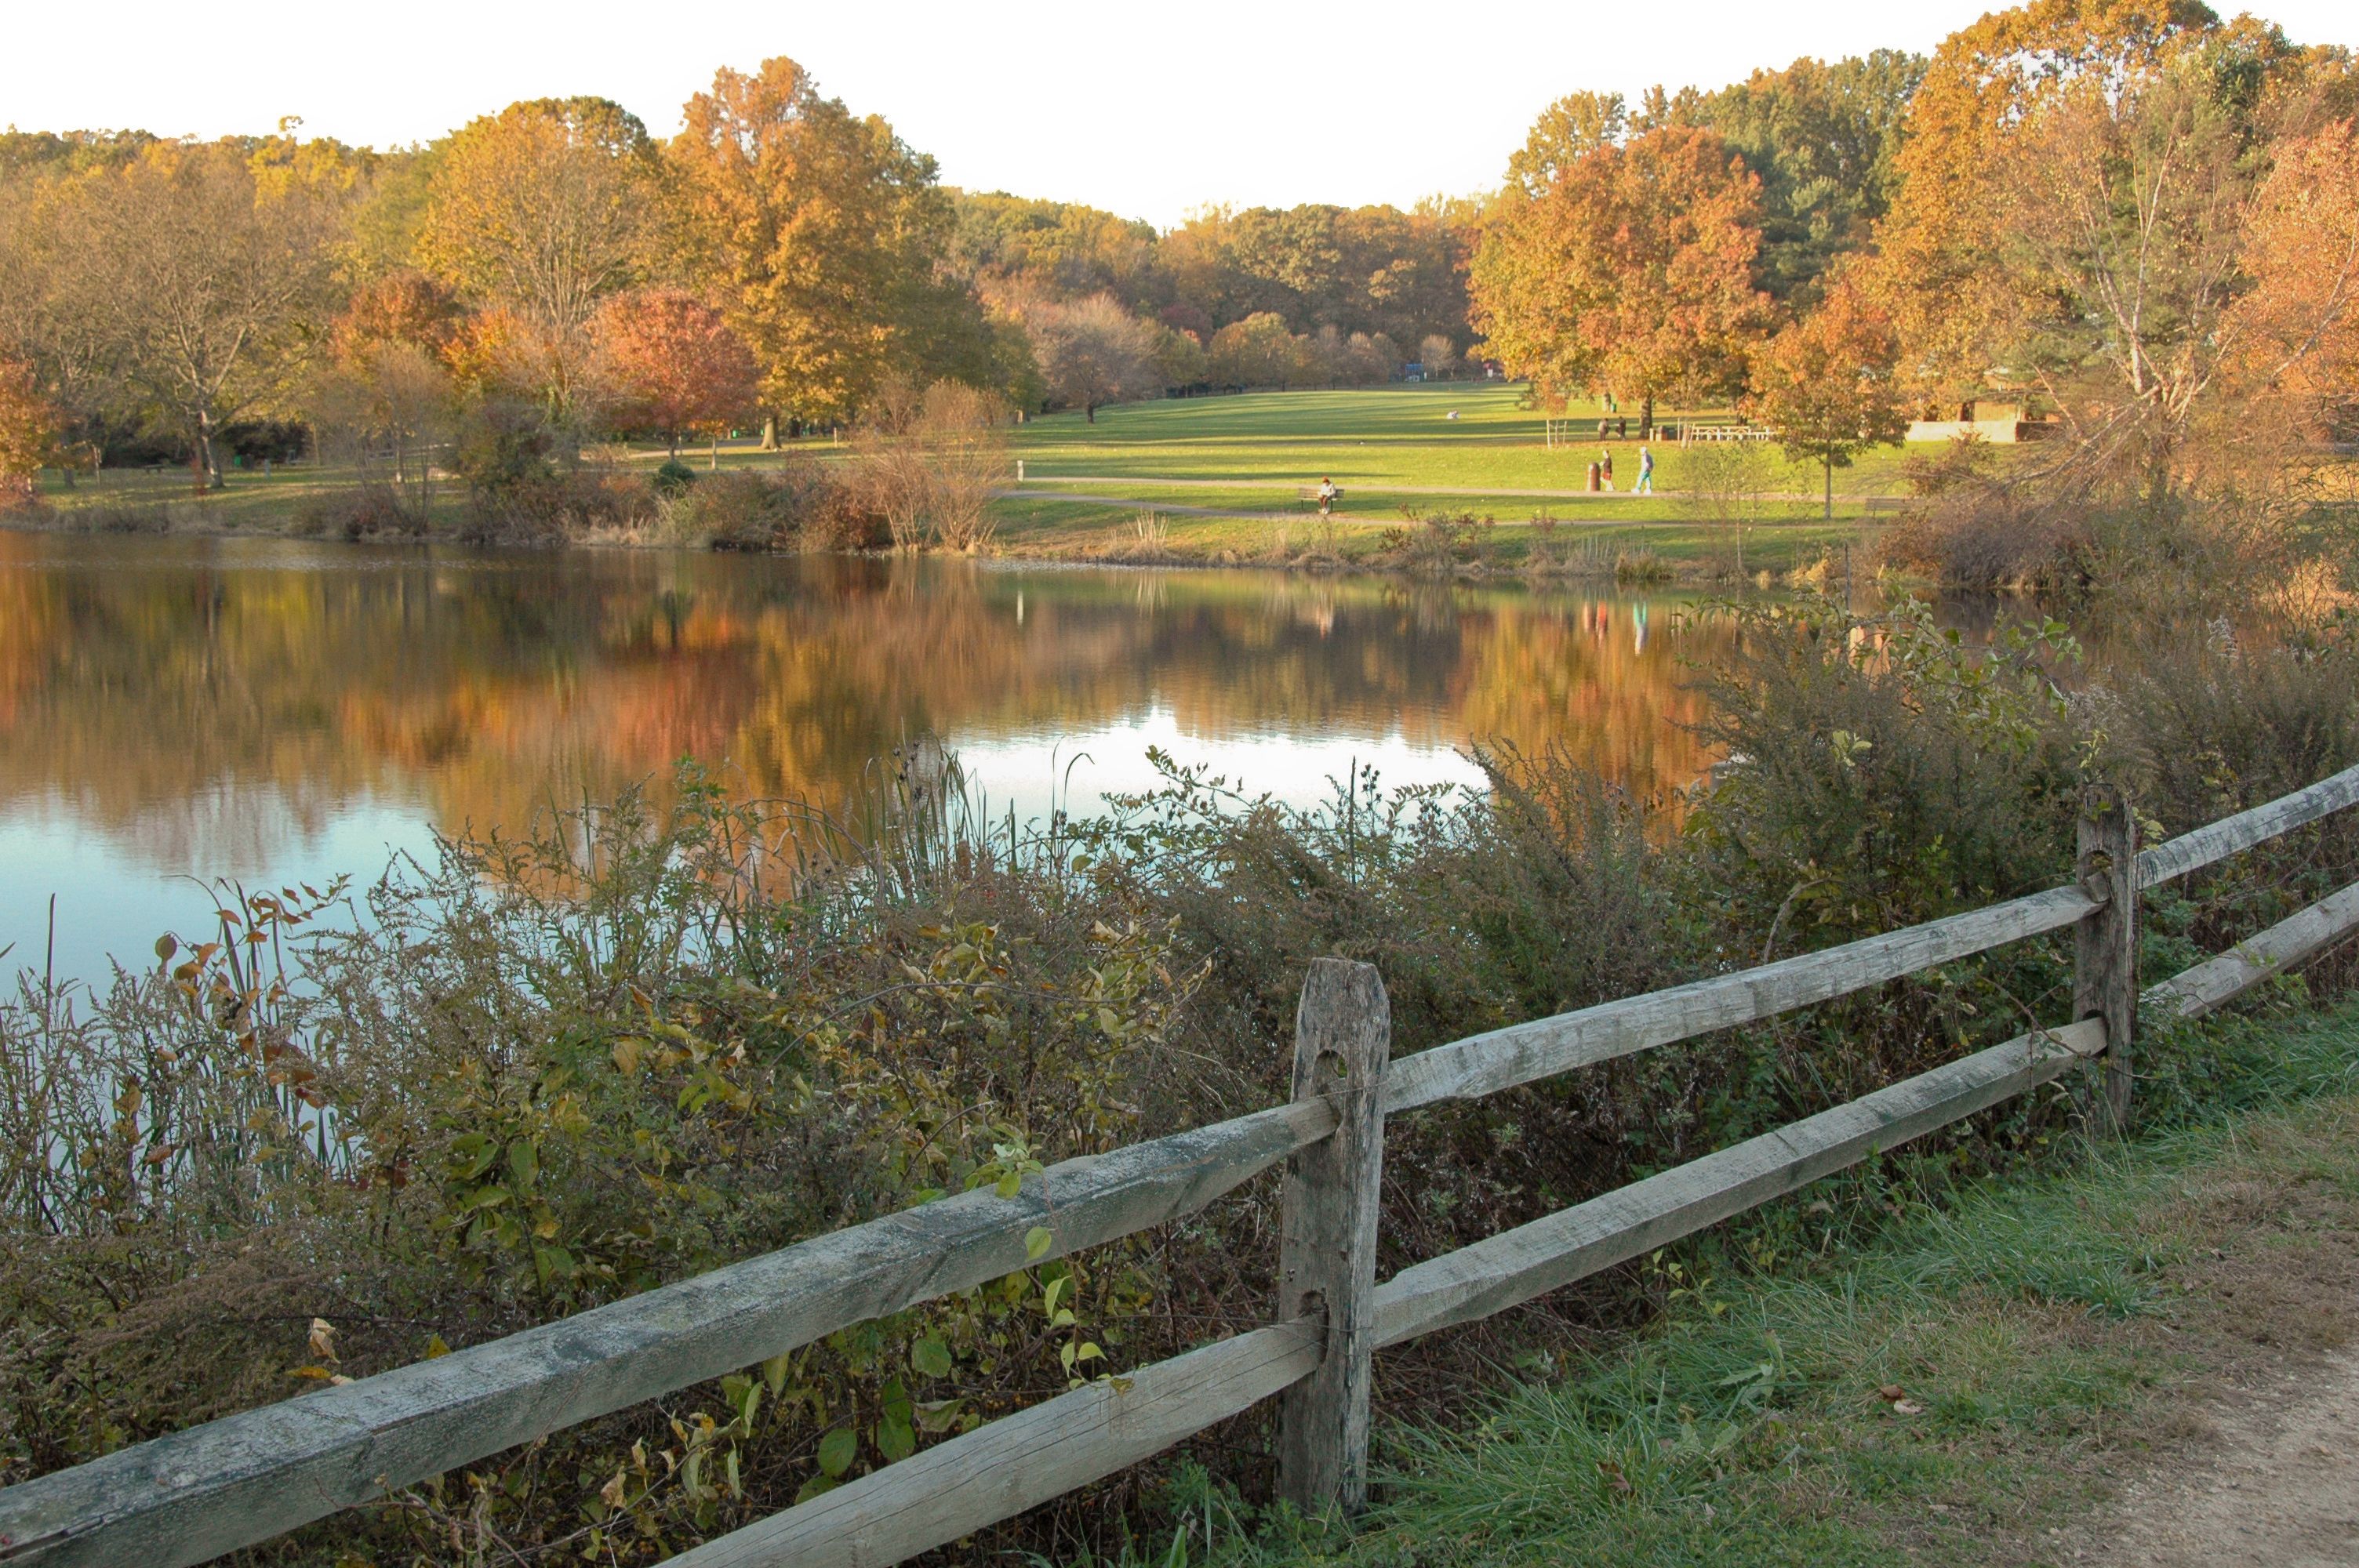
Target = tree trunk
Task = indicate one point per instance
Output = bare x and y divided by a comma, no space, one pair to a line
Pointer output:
1828,515
1646,419
769,432
712,457
209,475
1089,411
675,446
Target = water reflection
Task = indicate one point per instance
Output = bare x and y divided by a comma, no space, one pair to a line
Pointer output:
255,709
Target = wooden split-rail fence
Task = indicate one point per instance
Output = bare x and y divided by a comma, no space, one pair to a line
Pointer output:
245,1478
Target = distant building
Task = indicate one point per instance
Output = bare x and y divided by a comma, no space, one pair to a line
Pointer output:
2002,420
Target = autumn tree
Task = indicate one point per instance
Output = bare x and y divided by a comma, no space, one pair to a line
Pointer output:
2298,327
387,397
1256,352
28,427
199,284
1567,131
667,360
1825,384
543,211
1092,352
1632,273
816,232
1944,262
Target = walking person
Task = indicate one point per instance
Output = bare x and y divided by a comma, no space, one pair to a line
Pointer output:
1605,465
1645,485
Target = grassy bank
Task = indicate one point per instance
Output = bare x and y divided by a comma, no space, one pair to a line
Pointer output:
1966,1388
1218,477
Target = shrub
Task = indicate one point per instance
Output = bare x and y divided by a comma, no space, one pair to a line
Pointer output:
674,478
369,511
126,517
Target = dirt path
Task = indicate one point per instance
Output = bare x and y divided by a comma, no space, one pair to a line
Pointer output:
2275,1483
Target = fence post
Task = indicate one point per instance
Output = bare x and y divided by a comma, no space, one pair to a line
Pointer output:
1327,1257
2104,944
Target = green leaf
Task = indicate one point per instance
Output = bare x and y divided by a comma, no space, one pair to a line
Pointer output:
471,1154
815,1487
930,1356
837,1450
1036,1242
895,1440
773,1371
1010,1185
524,1161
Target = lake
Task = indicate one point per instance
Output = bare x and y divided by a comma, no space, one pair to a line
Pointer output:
179,710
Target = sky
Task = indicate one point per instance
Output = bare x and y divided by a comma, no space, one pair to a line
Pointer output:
1149,110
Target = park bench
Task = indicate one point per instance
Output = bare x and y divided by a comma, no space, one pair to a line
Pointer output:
1305,496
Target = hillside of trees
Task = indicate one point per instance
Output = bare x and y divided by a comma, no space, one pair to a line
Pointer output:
2133,224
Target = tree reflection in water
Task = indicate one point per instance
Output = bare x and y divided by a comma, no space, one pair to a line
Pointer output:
210,706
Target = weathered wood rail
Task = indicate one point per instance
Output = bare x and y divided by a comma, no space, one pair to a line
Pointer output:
245,1478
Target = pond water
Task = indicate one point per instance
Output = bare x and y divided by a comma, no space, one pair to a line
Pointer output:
177,710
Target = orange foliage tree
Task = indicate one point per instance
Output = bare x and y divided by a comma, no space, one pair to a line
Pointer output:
2300,318
1631,271
668,362
1825,383
28,430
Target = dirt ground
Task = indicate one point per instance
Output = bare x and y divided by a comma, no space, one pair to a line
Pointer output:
2274,1482
2251,1459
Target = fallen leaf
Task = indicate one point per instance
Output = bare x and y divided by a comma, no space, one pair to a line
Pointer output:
323,1339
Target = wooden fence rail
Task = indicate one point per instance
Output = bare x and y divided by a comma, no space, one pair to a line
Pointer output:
242,1479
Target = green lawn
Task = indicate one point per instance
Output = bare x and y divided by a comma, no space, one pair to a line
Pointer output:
1370,439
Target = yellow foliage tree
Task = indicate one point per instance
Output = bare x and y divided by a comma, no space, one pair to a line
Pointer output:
541,211
815,230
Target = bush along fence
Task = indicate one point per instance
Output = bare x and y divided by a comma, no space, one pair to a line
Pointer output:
245,1478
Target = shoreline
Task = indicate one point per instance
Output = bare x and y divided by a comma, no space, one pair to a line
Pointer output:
1581,549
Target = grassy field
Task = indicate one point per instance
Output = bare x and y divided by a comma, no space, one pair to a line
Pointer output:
1375,441
1974,1387
1221,476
